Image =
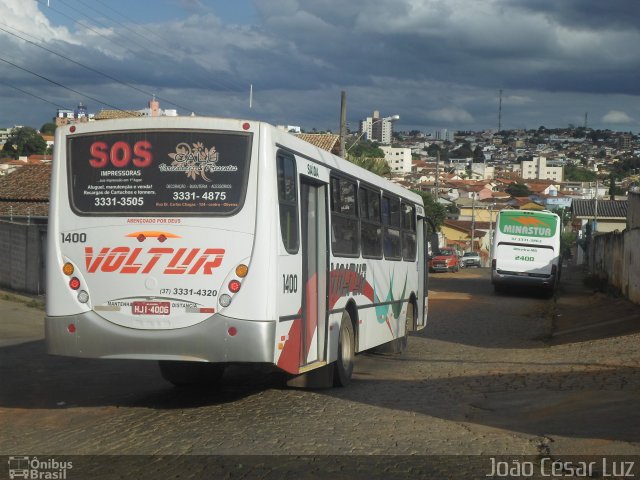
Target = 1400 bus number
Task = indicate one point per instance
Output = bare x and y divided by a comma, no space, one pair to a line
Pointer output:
524,258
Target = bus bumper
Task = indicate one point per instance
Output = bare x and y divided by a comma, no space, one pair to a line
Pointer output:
210,340
546,282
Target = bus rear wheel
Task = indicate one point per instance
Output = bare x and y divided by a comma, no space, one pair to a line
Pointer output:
409,325
183,374
346,352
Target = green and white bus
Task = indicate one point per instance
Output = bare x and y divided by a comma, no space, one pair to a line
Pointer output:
526,249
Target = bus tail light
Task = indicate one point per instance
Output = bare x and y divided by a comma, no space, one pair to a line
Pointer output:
234,286
554,269
74,283
68,269
83,296
225,300
242,270
493,264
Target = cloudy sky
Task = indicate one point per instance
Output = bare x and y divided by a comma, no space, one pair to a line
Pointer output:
436,63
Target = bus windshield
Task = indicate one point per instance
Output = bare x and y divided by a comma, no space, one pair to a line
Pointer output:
160,172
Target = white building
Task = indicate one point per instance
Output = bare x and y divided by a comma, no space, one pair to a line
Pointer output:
377,129
485,171
398,159
537,169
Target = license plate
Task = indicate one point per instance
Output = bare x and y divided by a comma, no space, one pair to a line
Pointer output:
151,308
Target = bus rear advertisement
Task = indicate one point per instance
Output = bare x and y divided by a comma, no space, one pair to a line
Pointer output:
526,249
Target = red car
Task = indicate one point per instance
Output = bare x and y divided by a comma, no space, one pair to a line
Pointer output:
445,261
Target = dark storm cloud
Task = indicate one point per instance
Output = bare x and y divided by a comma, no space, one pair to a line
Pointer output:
589,14
434,62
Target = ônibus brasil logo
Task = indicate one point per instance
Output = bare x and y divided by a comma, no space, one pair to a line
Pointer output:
530,226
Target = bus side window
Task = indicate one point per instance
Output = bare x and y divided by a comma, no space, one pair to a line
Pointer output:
370,224
391,222
345,234
408,232
288,201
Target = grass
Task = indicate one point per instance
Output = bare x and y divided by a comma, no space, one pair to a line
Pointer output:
26,301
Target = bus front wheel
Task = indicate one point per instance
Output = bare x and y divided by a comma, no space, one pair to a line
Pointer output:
183,374
346,352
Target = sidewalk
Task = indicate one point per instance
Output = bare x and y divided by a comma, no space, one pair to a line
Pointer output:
582,313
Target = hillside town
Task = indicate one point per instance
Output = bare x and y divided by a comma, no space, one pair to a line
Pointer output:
581,173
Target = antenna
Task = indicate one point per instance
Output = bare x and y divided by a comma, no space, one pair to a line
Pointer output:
500,112
251,96
586,116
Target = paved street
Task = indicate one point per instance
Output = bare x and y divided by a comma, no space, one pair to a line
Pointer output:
485,377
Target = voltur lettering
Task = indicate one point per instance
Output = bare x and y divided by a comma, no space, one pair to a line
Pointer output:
131,261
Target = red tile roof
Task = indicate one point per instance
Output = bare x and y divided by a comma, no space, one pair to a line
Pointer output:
27,183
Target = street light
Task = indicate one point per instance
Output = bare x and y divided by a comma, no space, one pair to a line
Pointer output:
392,118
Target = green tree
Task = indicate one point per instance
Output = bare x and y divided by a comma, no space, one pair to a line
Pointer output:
379,166
573,173
366,149
478,155
518,190
24,141
435,211
48,128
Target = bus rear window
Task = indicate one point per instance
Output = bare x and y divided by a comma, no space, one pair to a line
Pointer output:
158,172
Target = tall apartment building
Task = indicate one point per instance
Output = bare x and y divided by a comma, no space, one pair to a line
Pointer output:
444,135
377,129
537,169
398,159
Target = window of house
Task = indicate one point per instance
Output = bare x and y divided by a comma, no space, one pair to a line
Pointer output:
288,201
345,234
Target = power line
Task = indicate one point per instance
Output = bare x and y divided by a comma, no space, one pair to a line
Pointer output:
35,96
106,75
155,53
60,85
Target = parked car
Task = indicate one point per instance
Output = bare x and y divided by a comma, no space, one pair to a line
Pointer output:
470,259
445,261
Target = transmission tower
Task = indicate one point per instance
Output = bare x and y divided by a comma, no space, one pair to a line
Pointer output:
500,112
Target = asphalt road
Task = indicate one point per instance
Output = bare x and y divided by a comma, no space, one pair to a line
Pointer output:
486,377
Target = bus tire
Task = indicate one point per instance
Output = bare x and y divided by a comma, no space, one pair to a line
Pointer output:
346,352
409,326
183,374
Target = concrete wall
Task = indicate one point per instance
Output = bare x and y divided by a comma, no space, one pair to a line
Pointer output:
22,256
616,256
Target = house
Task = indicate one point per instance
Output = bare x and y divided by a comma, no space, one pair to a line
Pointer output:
25,192
326,141
607,215
458,235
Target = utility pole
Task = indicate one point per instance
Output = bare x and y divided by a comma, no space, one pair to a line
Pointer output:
500,112
343,122
473,219
437,176
595,211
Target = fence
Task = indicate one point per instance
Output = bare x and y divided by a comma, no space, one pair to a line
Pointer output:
22,256
616,256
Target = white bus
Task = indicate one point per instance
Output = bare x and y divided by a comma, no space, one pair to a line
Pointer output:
526,249
201,242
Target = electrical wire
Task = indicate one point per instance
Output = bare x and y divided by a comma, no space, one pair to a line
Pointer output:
101,102
106,75
35,96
